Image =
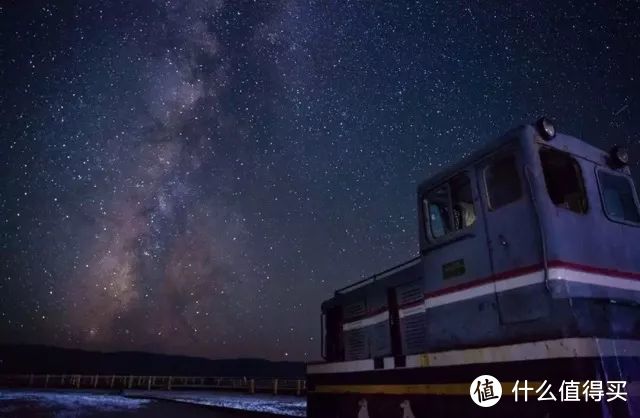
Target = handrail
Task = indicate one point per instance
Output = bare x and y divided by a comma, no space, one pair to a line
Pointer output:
151,382
376,276
323,353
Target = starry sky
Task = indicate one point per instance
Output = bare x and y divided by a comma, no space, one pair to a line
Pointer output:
195,177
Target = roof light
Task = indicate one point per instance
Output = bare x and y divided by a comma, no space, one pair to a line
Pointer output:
546,128
619,156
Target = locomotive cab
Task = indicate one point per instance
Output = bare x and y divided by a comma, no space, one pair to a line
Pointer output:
533,238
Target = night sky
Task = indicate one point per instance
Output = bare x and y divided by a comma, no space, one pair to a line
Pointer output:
195,177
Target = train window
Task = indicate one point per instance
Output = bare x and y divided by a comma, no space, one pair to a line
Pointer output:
563,179
439,211
464,214
617,197
503,182
449,207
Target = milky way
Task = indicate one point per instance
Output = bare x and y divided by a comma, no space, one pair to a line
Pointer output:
196,177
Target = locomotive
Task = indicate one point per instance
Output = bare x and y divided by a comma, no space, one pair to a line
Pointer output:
528,272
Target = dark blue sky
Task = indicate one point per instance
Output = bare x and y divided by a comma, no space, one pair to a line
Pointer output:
196,177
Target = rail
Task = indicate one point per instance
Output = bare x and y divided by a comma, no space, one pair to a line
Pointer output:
121,382
377,276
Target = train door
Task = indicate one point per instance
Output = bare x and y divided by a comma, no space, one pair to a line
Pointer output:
455,258
513,235
394,323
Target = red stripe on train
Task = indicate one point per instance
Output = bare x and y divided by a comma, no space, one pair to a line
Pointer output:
628,275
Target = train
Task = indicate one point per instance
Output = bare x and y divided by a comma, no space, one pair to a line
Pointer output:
526,285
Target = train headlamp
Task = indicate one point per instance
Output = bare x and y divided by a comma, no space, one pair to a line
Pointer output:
546,128
619,156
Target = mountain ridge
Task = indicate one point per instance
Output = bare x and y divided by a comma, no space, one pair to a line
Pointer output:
45,359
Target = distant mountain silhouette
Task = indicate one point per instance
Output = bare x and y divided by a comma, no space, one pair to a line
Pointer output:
40,359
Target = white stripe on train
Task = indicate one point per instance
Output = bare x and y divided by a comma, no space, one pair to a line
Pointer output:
365,322
556,273
538,350
487,289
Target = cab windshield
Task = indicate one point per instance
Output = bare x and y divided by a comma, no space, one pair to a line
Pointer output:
563,178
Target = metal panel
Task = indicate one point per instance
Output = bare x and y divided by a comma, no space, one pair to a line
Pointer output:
514,239
591,238
380,341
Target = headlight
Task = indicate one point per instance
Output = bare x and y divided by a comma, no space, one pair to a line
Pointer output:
545,128
619,156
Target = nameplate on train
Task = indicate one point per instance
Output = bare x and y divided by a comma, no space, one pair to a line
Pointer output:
453,269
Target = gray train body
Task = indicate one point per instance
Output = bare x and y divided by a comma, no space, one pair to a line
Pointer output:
526,270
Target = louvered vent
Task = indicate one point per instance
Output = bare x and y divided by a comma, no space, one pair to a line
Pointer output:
356,344
414,333
413,327
410,294
354,310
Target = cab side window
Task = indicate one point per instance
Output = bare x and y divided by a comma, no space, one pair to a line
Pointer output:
464,214
438,211
503,182
449,207
618,197
563,179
